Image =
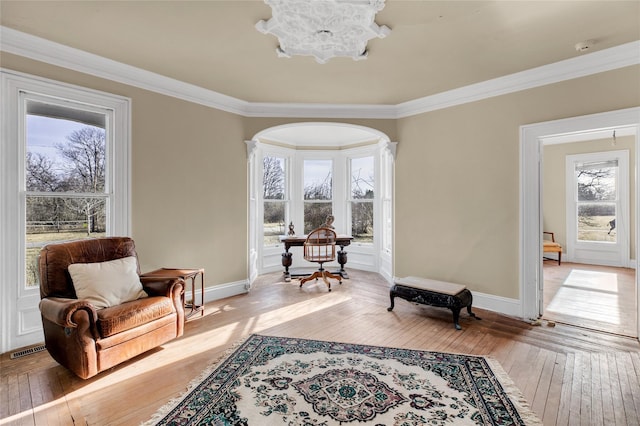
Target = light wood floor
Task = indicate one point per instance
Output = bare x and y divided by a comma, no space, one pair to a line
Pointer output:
591,296
569,375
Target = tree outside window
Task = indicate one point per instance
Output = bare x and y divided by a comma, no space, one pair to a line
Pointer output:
597,197
362,197
65,177
318,192
275,199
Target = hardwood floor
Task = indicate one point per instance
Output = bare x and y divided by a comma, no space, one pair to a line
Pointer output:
591,296
568,375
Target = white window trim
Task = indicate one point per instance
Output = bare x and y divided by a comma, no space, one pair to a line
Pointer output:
268,257
621,246
369,151
269,151
337,190
12,154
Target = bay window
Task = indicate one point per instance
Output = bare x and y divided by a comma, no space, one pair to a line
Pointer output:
300,188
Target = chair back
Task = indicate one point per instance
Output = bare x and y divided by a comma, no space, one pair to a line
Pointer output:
54,260
320,245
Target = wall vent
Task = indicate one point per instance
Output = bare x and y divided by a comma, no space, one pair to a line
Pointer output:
25,352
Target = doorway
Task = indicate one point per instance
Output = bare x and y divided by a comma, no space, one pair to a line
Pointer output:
532,219
591,180
586,191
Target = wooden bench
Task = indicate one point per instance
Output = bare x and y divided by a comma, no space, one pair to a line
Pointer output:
435,293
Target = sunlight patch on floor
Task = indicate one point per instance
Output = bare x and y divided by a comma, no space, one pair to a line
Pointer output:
593,280
209,340
591,295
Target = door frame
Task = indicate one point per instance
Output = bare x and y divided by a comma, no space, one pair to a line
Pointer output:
531,135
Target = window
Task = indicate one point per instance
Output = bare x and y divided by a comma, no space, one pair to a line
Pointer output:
362,184
65,176
296,188
597,194
597,208
65,167
318,192
275,198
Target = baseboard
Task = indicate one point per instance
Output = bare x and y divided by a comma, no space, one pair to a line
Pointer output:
502,305
221,291
631,263
499,304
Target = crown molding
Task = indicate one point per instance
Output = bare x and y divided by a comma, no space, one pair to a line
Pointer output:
39,49
265,109
592,63
43,50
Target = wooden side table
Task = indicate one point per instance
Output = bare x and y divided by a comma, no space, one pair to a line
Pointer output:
185,274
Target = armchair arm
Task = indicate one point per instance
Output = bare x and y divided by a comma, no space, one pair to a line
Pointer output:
70,333
172,288
60,310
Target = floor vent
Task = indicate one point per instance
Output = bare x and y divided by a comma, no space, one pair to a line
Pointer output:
29,351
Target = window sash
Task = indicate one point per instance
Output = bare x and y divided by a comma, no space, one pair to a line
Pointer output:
271,233
22,92
367,234
374,161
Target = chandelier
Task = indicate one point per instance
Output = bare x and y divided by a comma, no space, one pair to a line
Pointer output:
323,28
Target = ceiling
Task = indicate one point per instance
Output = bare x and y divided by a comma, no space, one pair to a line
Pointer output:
433,47
320,134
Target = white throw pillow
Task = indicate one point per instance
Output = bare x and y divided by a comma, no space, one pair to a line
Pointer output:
109,283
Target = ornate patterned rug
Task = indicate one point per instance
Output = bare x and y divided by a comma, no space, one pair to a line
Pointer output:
286,381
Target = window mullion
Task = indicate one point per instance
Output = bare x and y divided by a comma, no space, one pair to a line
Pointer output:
68,194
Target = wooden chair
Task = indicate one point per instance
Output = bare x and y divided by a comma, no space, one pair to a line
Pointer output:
320,247
550,246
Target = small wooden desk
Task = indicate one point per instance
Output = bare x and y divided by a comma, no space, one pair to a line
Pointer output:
185,274
298,240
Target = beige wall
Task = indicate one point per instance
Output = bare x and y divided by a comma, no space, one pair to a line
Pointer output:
456,177
554,182
457,174
189,191
190,187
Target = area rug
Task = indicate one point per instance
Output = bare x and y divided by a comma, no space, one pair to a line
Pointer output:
270,380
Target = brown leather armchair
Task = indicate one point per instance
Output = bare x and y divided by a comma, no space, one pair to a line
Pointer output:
87,340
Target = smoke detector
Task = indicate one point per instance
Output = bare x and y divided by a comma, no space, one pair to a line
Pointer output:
583,46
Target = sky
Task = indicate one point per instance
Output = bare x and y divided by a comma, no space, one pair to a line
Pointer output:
316,171
43,133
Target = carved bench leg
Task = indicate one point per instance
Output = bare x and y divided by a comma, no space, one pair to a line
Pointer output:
456,318
469,307
471,314
392,297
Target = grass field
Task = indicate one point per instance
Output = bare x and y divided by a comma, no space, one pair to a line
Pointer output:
596,228
36,241
273,231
